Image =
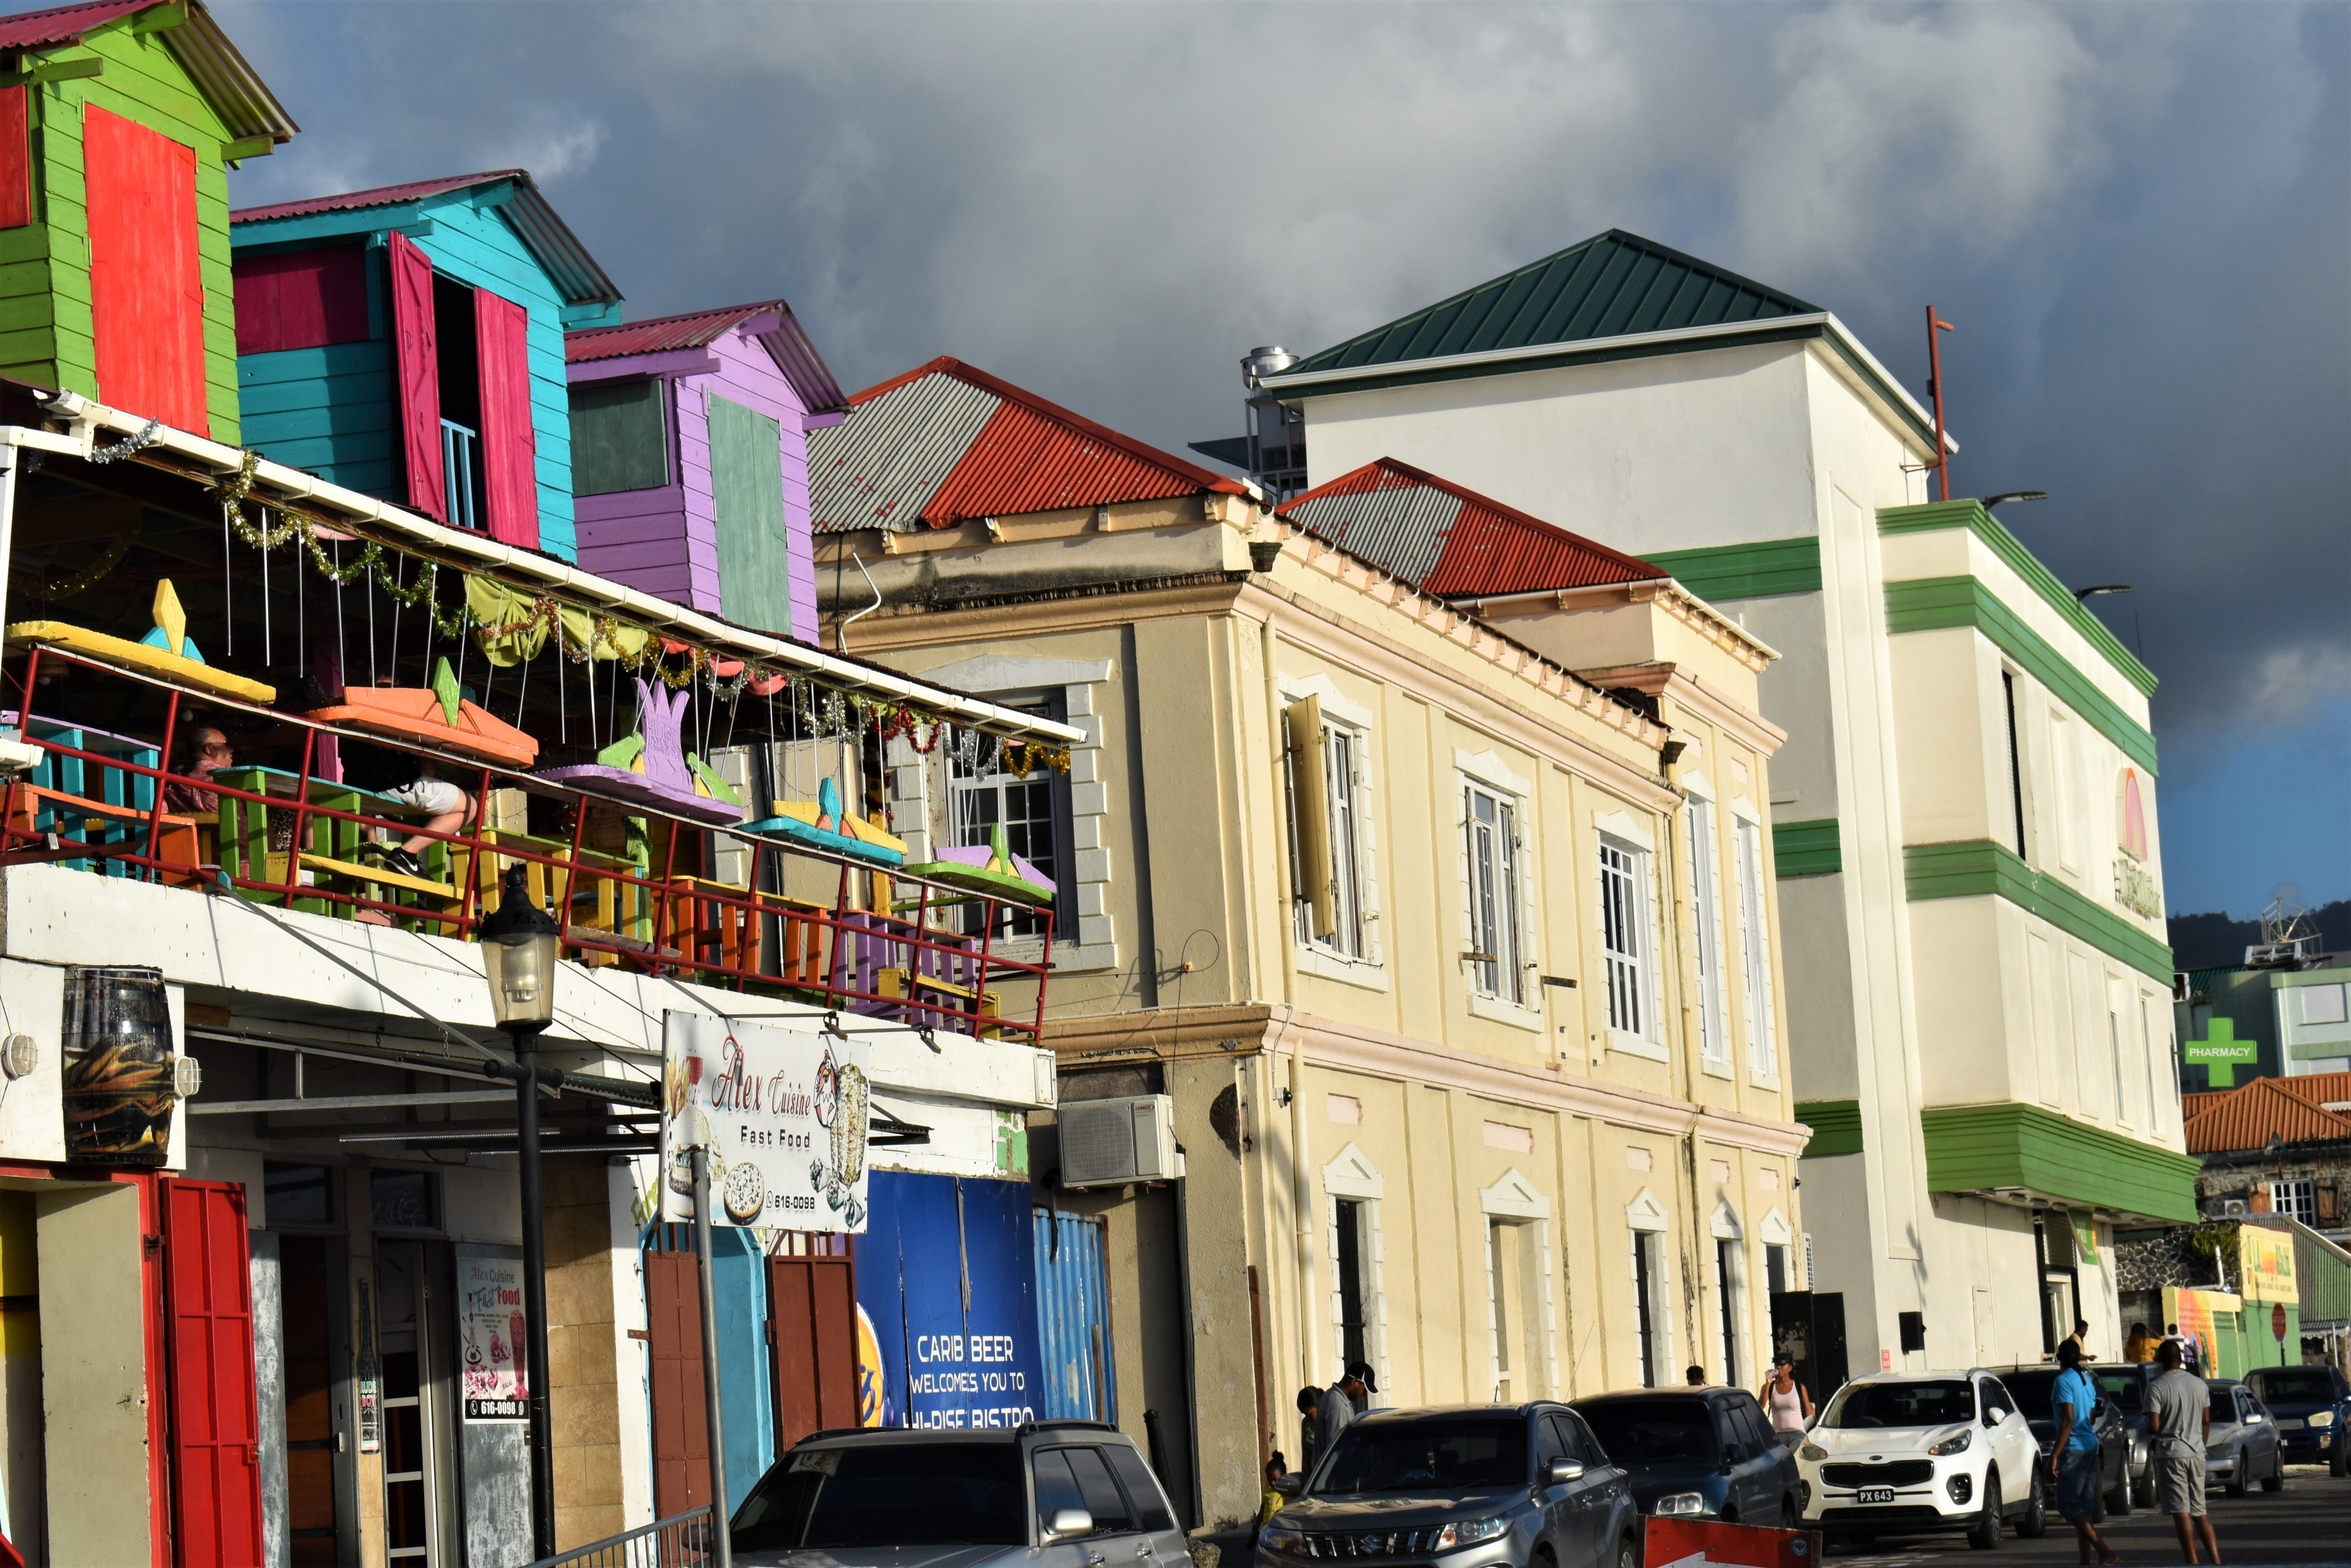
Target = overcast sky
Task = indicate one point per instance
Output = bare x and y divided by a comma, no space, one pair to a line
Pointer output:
2139,215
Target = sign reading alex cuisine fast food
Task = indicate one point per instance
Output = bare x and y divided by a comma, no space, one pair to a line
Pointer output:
784,1113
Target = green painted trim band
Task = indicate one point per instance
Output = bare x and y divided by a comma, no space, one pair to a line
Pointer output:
1748,571
1971,515
1836,1125
1975,867
1987,1148
1807,849
1936,603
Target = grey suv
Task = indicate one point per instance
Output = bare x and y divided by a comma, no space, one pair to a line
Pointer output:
1477,1487
1057,1494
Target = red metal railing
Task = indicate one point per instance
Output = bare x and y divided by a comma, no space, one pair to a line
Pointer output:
844,955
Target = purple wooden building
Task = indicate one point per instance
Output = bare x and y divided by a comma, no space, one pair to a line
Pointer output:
690,459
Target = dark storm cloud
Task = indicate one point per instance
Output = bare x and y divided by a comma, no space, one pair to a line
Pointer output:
2138,214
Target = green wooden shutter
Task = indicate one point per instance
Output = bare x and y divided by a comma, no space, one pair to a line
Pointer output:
618,440
747,482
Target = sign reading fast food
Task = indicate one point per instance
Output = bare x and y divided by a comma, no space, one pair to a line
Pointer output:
784,1115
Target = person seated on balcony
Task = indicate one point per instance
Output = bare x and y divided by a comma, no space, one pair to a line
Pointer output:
450,808
208,753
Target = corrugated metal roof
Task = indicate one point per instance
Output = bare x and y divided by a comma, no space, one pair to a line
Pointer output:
1610,285
236,92
789,342
881,467
573,271
946,442
2320,1088
1451,542
2250,1116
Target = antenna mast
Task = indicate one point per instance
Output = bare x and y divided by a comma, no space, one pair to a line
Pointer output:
1935,389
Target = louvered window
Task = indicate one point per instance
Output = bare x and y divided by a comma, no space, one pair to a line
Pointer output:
1755,947
1491,822
1623,934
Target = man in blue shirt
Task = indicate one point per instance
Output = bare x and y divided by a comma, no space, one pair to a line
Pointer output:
2074,1457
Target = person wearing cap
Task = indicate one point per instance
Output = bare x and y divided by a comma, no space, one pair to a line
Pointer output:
1341,1404
2073,1454
1786,1401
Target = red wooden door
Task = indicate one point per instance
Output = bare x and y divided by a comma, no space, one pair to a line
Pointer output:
812,1323
216,1426
16,160
510,445
416,355
681,1414
146,292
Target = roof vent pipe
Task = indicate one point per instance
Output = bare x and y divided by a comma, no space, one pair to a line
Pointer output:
1260,362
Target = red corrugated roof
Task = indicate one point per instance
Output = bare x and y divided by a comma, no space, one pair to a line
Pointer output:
2249,1118
1489,548
381,196
693,329
2320,1088
62,24
1030,456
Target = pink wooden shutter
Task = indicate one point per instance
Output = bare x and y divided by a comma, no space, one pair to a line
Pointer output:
216,1425
509,447
417,355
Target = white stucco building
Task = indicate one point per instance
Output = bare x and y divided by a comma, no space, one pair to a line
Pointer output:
1963,818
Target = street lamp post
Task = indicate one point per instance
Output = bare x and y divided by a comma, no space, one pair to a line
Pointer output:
520,946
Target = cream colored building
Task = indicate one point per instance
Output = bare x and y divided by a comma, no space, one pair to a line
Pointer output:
1967,849
1500,1104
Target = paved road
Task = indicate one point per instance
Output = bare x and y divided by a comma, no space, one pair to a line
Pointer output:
2309,1521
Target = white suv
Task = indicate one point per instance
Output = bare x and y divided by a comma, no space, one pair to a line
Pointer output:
1913,1453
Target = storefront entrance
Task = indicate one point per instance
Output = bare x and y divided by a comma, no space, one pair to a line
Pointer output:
415,1393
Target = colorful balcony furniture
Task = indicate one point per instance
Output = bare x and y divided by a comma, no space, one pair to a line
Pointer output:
437,715
988,868
167,652
821,825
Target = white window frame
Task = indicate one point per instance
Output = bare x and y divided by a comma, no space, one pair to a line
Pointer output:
1352,826
1351,1175
1705,907
1755,945
1515,1201
2065,766
1646,1224
1731,1291
1628,869
2297,1199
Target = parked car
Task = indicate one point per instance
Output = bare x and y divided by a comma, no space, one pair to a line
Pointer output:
1495,1486
1058,1494
1705,1451
1917,1453
2033,1386
2312,1406
2243,1445
2124,1384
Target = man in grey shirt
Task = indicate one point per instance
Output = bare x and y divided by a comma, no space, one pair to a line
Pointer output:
2179,1419
1340,1403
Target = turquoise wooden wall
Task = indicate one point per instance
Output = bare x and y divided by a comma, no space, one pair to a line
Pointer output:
330,410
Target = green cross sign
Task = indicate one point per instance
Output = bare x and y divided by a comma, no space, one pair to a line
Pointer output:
2221,1050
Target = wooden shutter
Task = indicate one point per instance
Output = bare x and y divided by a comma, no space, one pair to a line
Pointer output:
146,292
2330,1203
746,489
812,1324
15,161
1309,813
416,352
509,445
214,1424
681,1415
301,299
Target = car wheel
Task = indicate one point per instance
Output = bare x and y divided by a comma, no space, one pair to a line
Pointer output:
2236,1487
1986,1533
2143,1489
2118,1500
2339,1466
2275,1480
1626,1557
2097,1508
2033,1522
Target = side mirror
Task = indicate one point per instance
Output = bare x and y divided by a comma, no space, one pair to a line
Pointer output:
1290,1485
2254,1418
1558,1472
1733,1454
1995,1416
1068,1521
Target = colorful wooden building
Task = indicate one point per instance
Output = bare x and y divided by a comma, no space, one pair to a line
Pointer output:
118,122
690,459
408,342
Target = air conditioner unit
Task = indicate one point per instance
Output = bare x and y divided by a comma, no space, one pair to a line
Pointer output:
2232,1209
1110,1143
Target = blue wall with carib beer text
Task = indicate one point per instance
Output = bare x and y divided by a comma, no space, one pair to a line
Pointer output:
946,1277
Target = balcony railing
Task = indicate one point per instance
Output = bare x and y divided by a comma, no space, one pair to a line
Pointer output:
457,445
883,944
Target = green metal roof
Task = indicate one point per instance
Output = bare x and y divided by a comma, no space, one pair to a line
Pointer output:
1610,285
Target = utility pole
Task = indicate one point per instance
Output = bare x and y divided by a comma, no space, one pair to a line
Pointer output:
1935,389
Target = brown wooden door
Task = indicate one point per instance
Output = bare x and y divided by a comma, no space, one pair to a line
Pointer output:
681,1415
812,1326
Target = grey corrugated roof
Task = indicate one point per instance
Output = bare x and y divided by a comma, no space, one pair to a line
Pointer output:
880,466
1400,530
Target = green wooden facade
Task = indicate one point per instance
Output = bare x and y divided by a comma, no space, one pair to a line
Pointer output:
130,64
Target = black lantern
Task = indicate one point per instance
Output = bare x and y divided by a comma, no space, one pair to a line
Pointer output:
519,948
